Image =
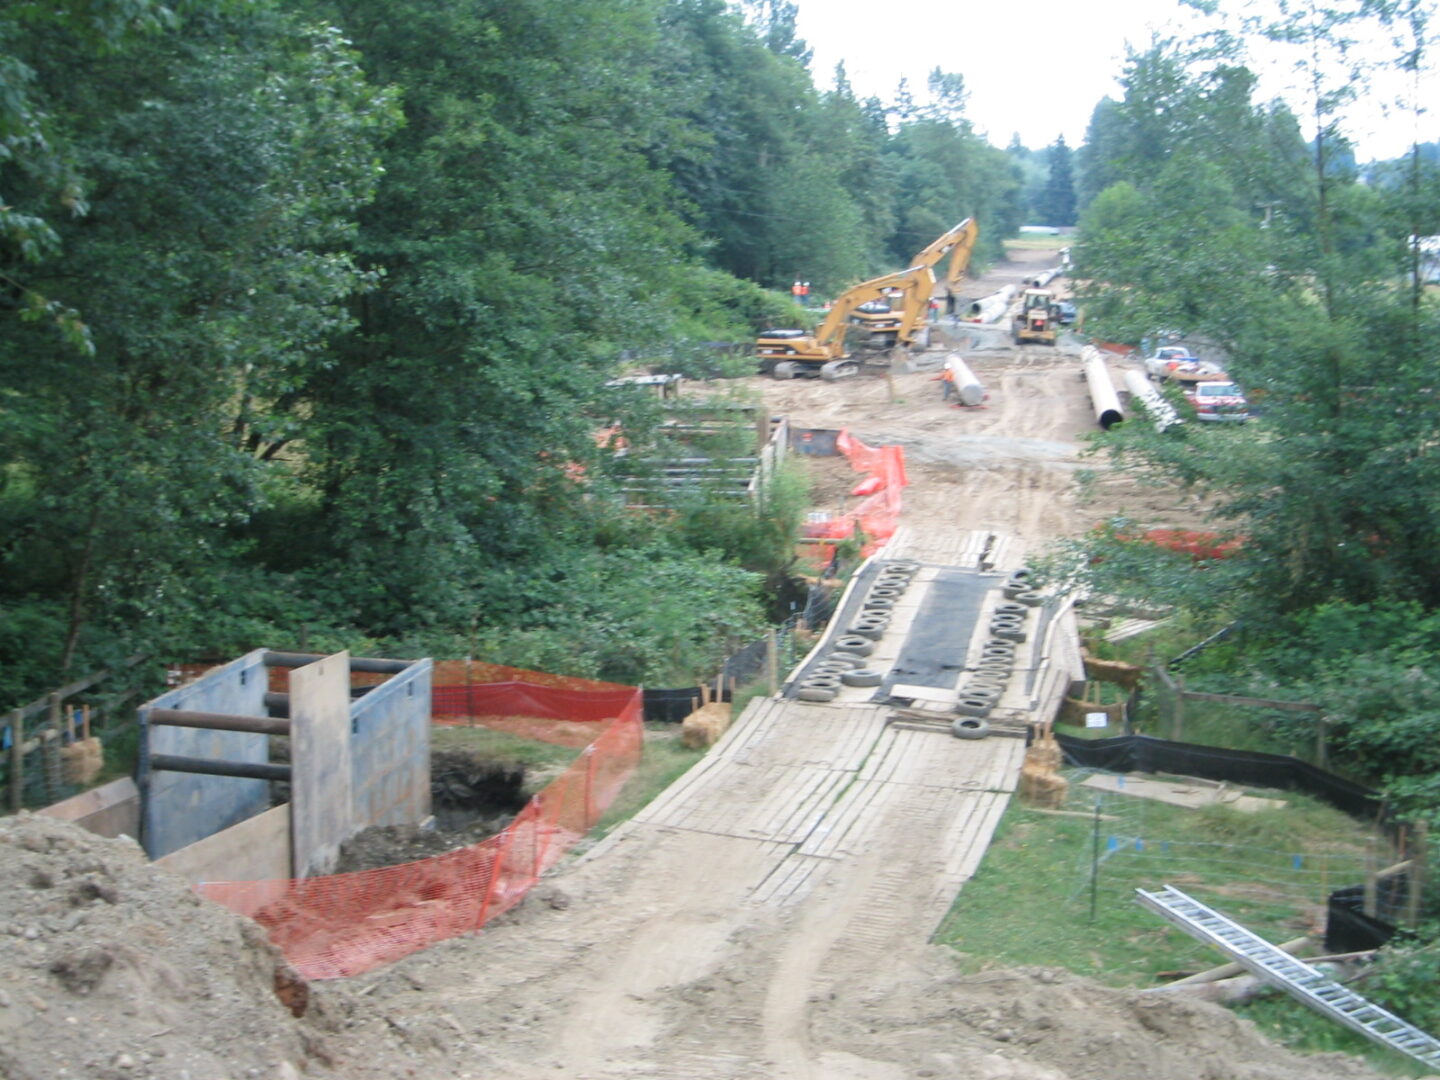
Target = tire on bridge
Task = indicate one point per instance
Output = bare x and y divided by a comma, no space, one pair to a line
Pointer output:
854,643
970,727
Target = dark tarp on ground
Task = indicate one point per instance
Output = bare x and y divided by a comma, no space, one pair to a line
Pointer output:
1144,753
819,442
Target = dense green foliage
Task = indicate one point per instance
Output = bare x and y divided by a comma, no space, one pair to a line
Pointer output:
308,308
1212,218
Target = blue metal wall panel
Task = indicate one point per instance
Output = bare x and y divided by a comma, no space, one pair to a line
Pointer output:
181,808
390,750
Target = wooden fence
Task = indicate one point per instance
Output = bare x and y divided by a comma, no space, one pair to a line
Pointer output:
44,726
1175,686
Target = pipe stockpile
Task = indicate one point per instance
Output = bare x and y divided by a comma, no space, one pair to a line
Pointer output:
989,308
962,381
1160,411
1102,391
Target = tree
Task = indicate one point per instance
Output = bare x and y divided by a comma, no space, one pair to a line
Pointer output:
1317,316
1057,206
38,172
225,166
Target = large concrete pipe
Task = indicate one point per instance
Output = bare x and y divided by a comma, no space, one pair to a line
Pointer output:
1046,276
1160,411
989,308
962,382
1102,391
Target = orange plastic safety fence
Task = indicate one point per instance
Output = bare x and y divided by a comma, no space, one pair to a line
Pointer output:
878,515
345,924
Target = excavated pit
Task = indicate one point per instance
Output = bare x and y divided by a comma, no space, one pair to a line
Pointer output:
473,797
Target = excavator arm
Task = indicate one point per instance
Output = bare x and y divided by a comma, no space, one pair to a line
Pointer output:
960,252
827,343
958,243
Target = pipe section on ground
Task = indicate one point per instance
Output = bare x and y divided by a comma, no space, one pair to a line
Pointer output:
1046,276
989,308
962,382
1162,414
1103,397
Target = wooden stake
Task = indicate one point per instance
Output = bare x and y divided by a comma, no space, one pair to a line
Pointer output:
17,761
1371,878
1417,873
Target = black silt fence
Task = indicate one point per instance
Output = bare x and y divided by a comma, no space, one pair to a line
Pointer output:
672,706
1144,753
1348,928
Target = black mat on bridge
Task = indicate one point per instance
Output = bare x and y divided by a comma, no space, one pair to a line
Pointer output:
939,639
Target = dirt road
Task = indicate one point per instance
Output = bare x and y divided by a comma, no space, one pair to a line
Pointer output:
768,917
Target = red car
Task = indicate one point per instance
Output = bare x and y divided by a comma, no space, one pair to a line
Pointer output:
1218,401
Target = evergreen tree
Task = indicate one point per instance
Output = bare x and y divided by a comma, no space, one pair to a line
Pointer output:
1057,206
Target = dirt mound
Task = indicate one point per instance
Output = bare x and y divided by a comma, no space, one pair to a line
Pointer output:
1047,1024
115,969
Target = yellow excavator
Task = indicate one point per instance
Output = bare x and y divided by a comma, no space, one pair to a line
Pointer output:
958,242
790,354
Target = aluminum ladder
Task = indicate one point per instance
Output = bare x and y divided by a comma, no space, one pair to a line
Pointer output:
1299,980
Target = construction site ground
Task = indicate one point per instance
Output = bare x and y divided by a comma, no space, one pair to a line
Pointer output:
768,916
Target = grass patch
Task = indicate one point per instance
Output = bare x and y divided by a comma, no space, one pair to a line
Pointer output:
1031,901
1291,1024
664,761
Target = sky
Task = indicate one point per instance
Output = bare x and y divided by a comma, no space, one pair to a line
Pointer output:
1036,68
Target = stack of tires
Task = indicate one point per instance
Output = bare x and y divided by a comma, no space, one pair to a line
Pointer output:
986,683
846,663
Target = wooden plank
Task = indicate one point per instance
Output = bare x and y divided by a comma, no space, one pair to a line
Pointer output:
794,806
966,858
787,882
1004,771
982,814
751,725
881,764
867,727
838,834
657,809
